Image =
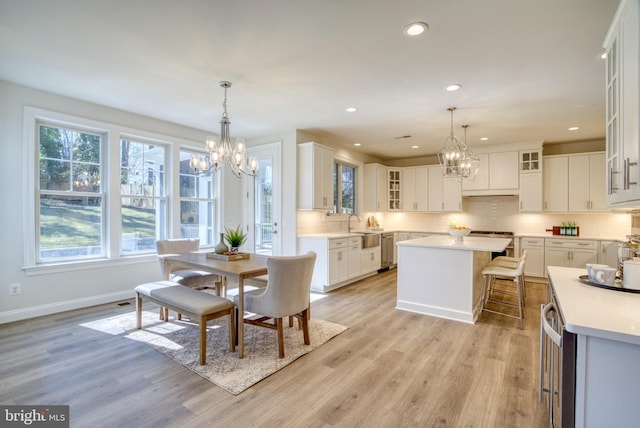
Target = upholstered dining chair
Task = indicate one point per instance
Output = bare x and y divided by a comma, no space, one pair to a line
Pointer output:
286,294
196,279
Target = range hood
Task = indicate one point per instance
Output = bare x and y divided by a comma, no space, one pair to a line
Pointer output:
490,192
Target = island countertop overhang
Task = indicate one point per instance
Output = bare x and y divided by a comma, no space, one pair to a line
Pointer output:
469,243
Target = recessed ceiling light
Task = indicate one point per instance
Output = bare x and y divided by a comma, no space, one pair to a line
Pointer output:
415,29
414,147
351,109
574,128
484,138
453,87
603,55
357,144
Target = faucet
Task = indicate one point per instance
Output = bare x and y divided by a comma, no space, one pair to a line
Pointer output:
349,221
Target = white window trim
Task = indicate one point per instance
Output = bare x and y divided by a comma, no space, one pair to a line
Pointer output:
113,133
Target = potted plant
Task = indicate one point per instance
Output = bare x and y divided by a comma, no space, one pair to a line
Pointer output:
234,237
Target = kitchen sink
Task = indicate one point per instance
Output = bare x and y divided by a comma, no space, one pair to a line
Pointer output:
369,239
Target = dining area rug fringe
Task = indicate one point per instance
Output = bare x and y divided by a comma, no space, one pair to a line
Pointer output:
178,340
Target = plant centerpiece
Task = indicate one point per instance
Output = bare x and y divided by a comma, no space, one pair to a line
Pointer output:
235,238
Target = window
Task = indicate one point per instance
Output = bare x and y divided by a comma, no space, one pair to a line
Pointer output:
143,200
197,213
344,188
99,193
70,217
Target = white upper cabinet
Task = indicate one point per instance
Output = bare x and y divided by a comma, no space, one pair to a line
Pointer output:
530,195
375,188
415,189
498,173
556,184
623,106
394,189
587,183
444,194
315,177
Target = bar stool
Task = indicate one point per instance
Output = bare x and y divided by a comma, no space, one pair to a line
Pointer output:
494,271
512,262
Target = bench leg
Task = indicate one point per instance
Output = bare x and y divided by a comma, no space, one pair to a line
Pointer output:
138,311
203,340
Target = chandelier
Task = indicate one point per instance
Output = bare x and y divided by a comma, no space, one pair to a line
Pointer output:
456,159
221,152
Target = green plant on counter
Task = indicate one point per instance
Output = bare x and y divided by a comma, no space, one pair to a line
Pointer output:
234,237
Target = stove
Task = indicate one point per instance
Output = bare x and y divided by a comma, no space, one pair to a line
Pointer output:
496,234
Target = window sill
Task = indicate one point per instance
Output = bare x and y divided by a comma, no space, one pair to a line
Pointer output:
53,268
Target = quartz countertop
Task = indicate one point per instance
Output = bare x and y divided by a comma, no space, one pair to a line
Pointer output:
470,243
594,311
547,235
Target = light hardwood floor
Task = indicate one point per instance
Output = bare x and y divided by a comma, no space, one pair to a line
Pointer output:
389,369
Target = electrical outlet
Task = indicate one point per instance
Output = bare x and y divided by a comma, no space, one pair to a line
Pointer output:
15,289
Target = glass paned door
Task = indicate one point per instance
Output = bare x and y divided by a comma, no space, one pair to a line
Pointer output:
264,200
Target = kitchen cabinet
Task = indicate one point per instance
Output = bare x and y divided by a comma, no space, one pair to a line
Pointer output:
556,183
587,183
530,193
394,192
530,161
370,260
534,265
503,170
608,253
315,177
338,260
570,252
445,194
375,188
415,189
622,79
498,174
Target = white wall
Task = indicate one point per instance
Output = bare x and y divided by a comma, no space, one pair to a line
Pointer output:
112,281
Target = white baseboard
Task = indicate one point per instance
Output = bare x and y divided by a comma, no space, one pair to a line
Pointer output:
69,305
435,311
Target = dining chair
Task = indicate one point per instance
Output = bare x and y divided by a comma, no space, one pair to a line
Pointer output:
286,294
196,279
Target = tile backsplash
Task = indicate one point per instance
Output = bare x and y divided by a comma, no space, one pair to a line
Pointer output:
480,213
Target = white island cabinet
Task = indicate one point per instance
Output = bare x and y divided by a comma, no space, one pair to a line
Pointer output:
607,355
440,277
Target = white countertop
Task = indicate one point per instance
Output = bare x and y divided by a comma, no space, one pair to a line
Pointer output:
470,243
594,311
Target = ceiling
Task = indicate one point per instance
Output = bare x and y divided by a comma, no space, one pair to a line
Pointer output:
530,69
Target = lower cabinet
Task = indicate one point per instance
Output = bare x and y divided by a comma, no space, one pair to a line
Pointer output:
608,253
534,265
339,261
370,260
570,252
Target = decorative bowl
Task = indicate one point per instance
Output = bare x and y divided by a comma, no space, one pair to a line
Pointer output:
459,234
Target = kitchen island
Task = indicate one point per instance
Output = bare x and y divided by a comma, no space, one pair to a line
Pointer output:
606,325
442,277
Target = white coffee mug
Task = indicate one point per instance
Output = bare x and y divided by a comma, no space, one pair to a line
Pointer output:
604,275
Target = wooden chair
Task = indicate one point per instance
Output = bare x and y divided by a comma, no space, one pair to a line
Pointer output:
286,294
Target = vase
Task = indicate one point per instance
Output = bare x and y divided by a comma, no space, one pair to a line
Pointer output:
221,247
234,249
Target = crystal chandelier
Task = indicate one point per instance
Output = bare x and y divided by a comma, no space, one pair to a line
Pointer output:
455,158
220,152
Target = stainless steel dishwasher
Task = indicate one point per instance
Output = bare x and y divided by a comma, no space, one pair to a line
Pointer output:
388,241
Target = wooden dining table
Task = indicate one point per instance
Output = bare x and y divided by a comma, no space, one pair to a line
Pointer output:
255,265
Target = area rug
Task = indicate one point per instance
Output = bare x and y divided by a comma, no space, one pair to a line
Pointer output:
178,340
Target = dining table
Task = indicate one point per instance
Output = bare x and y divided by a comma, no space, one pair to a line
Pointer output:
239,270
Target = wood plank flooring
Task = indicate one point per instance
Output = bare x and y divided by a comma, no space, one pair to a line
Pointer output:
389,369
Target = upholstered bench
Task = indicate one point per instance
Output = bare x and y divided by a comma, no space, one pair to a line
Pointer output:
198,305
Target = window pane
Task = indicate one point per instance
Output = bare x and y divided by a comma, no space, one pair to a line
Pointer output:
143,221
70,227
141,169
197,208
69,159
196,221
